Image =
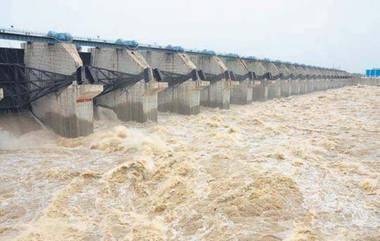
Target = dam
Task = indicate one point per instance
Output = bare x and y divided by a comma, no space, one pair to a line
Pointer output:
115,140
64,87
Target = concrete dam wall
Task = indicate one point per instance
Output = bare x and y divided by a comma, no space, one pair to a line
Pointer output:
137,83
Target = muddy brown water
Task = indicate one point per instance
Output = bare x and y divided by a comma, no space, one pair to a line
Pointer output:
300,168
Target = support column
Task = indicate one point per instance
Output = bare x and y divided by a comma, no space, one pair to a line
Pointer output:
314,81
242,86
241,93
185,98
302,82
285,88
294,87
293,81
137,102
217,93
69,112
260,91
164,98
274,88
1,94
182,97
284,82
259,88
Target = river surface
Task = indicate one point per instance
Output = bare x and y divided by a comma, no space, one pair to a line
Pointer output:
300,168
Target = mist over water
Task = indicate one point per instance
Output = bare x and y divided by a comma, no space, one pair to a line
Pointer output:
301,168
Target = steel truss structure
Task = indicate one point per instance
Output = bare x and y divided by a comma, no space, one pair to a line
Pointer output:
23,85
175,78
110,79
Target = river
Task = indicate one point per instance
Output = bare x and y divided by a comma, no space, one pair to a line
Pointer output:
299,168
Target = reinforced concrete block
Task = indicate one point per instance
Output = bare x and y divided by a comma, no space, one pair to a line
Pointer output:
302,85
131,104
165,99
284,83
309,85
316,84
294,87
241,92
69,112
285,87
185,96
260,91
217,93
274,89
259,88
327,84
62,58
136,102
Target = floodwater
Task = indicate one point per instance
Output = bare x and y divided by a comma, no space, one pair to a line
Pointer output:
300,168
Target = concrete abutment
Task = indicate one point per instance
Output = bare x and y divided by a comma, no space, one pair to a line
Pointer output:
69,111
136,101
242,85
182,96
217,91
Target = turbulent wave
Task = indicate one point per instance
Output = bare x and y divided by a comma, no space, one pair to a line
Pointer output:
300,168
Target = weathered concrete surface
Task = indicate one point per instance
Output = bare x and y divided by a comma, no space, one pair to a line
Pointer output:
321,81
302,82
241,92
313,71
284,82
375,81
218,92
1,94
137,102
183,98
309,81
60,58
294,82
70,111
274,87
259,88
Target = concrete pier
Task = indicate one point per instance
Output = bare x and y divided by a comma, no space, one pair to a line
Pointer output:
217,93
241,92
321,82
294,81
181,96
285,80
274,87
69,112
368,81
302,81
314,73
136,102
1,94
259,88
309,81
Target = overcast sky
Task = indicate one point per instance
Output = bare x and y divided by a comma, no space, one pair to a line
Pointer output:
331,33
